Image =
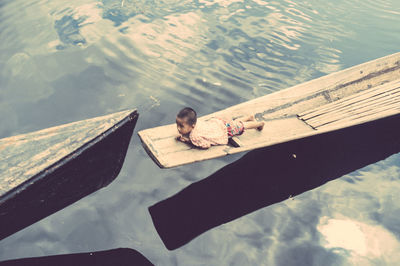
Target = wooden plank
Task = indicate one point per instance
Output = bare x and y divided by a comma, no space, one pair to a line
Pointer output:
358,102
159,132
170,145
358,99
360,120
169,152
349,115
151,149
369,113
192,155
383,89
353,109
274,132
372,112
346,104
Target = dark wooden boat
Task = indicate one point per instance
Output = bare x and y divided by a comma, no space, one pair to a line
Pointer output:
112,257
44,171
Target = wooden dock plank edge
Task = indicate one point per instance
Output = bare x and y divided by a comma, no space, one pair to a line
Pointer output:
150,150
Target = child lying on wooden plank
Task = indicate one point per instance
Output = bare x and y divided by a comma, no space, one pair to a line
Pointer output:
215,131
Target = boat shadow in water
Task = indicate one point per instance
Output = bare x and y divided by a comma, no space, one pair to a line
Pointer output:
269,175
119,256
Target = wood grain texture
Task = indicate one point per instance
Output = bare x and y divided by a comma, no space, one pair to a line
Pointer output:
363,105
374,94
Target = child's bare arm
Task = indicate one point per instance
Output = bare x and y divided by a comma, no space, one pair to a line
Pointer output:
183,139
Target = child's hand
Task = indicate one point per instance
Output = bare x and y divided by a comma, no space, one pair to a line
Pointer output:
182,138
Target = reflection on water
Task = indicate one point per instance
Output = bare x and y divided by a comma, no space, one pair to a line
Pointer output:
63,61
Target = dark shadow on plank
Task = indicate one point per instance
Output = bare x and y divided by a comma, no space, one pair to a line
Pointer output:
113,257
269,175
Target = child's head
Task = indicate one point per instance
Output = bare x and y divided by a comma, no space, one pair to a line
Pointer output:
186,120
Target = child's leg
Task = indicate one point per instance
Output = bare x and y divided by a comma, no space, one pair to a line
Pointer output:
253,124
246,118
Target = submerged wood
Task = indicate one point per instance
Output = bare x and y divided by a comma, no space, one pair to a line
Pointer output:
356,95
44,171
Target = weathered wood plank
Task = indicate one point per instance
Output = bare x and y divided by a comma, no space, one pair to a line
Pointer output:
379,91
359,103
355,116
349,104
353,109
170,145
159,132
192,155
151,149
275,132
171,152
351,122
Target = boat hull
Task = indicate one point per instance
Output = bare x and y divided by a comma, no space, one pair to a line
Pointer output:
289,114
82,172
119,256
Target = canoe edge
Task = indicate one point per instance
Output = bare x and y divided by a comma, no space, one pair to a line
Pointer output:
71,156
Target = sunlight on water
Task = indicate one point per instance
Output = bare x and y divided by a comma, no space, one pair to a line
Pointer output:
363,243
62,61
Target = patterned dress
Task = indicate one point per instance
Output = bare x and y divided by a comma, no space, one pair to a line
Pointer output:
214,132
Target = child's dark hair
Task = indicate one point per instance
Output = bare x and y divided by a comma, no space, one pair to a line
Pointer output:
189,114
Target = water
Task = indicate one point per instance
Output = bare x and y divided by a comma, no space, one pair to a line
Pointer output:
65,61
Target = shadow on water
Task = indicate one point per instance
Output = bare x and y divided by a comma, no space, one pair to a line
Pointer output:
270,175
120,256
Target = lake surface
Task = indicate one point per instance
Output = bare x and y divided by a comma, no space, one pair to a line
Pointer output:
63,61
